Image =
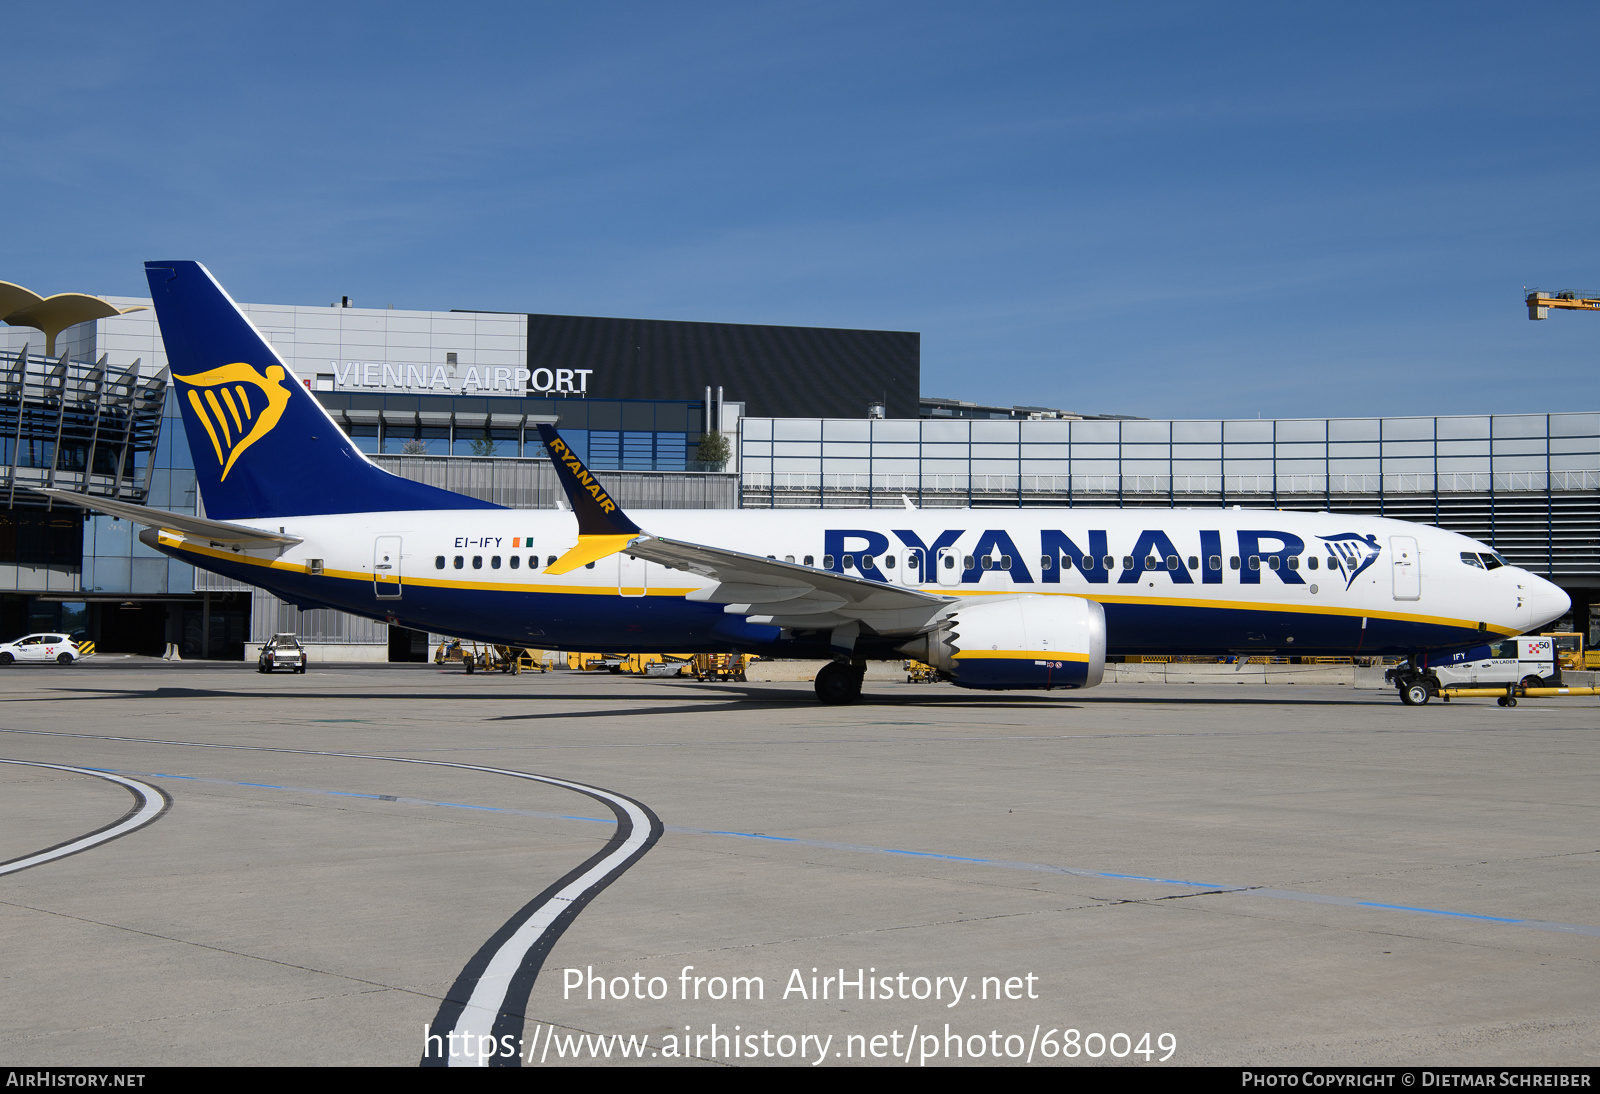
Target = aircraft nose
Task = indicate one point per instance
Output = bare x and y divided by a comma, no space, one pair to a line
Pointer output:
1546,602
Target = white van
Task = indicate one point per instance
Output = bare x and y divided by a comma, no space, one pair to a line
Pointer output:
1530,661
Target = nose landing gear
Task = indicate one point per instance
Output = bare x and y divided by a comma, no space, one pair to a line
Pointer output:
1415,684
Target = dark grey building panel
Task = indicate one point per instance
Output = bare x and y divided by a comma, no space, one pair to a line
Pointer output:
789,371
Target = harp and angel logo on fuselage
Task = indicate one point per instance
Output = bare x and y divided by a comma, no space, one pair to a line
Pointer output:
237,405
1354,552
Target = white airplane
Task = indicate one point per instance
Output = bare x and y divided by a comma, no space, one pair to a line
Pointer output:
997,599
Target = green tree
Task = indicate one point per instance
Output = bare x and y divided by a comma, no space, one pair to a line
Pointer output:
483,446
714,449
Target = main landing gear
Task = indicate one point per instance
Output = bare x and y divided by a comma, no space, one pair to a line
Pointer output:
839,682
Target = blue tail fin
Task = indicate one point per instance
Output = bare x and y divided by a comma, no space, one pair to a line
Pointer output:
262,444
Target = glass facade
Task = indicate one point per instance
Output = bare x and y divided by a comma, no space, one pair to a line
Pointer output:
607,434
1527,483
114,561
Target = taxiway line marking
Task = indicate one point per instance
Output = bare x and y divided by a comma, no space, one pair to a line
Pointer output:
149,804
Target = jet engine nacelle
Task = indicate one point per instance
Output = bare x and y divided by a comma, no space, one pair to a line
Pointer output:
1020,642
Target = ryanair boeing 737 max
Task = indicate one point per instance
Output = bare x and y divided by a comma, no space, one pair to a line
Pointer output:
1026,598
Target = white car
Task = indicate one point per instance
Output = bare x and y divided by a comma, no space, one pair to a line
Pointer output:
40,647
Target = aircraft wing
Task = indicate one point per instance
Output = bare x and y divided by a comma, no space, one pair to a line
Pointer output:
786,594
763,590
200,528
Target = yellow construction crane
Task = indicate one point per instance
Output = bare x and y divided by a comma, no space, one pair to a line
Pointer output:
1540,303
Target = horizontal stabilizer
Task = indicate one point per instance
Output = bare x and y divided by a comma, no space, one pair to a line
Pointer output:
216,531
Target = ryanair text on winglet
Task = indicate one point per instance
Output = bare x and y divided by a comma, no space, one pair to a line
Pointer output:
559,449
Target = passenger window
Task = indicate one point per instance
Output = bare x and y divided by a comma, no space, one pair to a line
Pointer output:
1272,561
438,562
1044,562
516,560
1311,562
494,562
1255,562
888,562
1005,562
1127,562
1215,562
460,562
811,560
1233,561
788,558
1294,562
1150,562
588,565
967,563
827,562
988,562
1109,563
849,562
477,562
551,561
949,562
1173,563
1194,562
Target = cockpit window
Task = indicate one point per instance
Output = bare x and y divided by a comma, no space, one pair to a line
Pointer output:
1471,559
1492,561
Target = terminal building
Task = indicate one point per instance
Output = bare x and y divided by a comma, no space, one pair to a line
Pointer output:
816,418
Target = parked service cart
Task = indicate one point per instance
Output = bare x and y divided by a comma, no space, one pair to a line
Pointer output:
720,666
474,656
1569,648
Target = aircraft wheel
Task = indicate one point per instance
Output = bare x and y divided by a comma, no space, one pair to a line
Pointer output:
837,683
1415,695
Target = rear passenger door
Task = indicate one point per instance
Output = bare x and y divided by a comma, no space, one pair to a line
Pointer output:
386,579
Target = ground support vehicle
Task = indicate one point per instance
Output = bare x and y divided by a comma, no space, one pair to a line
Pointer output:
42,647
474,656
919,673
1569,648
720,666
532,661
282,651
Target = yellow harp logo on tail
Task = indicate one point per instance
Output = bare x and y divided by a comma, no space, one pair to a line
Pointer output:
237,405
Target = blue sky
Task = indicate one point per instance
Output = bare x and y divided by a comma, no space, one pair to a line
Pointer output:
1170,211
